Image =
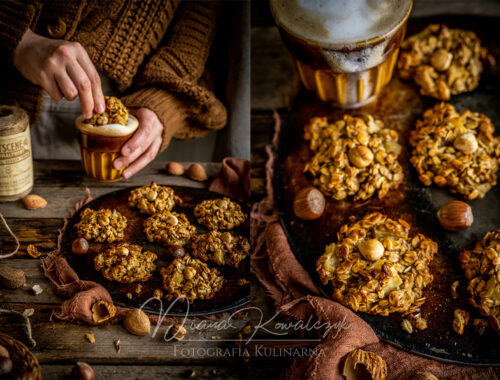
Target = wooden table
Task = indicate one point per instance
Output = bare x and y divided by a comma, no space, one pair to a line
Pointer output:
59,344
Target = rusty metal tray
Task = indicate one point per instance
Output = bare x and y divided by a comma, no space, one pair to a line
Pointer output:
399,105
230,296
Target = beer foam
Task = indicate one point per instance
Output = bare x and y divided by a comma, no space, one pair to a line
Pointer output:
339,22
112,130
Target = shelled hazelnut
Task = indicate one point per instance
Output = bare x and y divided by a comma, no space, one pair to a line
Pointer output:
371,249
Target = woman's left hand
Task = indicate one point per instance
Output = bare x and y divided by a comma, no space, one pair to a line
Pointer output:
143,146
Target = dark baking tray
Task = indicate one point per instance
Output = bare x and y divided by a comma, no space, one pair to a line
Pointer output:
230,296
399,105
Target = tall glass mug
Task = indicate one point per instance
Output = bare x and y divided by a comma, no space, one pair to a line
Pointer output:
344,50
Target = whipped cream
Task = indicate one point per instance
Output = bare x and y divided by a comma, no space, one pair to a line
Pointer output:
112,130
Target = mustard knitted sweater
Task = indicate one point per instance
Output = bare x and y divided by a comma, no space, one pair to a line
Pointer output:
154,50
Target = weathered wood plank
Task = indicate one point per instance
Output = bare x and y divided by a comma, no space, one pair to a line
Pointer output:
41,232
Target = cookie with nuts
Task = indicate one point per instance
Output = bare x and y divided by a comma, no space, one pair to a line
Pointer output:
152,198
106,225
219,214
169,228
442,61
456,150
126,263
115,113
482,270
376,267
354,156
222,248
191,279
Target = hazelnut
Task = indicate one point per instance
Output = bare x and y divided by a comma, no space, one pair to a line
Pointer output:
6,366
178,332
82,371
103,220
172,220
441,59
4,353
309,204
174,168
33,201
360,156
197,172
424,375
176,251
80,246
455,216
361,364
137,322
102,311
226,237
11,278
151,195
371,249
124,251
466,143
189,273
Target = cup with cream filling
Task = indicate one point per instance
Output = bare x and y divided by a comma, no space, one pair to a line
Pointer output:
101,138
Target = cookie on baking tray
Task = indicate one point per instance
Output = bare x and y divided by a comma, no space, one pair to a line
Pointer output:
222,248
169,228
219,214
456,150
126,263
106,225
376,267
151,199
354,156
442,61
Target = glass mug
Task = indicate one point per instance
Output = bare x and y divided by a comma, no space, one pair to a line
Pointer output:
348,75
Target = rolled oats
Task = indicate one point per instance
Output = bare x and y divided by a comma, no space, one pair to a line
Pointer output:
115,113
126,263
354,156
460,320
219,214
169,228
390,284
482,270
437,158
222,248
442,61
102,225
152,199
189,278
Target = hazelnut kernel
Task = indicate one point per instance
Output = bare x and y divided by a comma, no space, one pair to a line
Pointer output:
466,143
441,59
189,273
360,156
371,249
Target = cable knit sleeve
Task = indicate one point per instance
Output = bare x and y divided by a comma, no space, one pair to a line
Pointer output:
16,17
169,83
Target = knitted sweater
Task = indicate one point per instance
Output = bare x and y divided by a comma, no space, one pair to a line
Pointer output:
154,50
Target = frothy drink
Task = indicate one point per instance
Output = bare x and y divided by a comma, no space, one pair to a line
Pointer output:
345,50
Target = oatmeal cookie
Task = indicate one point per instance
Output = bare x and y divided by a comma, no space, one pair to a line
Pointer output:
153,198
126,263
191,279
115,113
376,267
169,228
442,61
482,269
355,156
219,214
222,248
456,150
102,225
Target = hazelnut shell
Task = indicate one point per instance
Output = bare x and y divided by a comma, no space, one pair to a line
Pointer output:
174,168
197,172
82,371
309,204
455,216
80,246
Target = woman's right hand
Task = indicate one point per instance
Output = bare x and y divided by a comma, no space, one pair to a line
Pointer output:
61,68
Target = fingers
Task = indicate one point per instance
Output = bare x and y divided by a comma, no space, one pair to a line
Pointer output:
84,87
95,82
143,160
49,84
149,127
66,86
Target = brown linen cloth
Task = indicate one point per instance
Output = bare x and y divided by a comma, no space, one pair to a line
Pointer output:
296,297
232,180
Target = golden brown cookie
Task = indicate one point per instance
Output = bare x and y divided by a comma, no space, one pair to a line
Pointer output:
376,267
126,263
456,150
115,113
191,279
222,248
102,225
152,198
219,214
482,269
442,61
355,156
169,228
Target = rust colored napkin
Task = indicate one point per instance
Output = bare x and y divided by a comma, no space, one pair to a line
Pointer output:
296,297
232,180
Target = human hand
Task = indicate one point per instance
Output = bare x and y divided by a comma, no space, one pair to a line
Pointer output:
61,68
143,146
